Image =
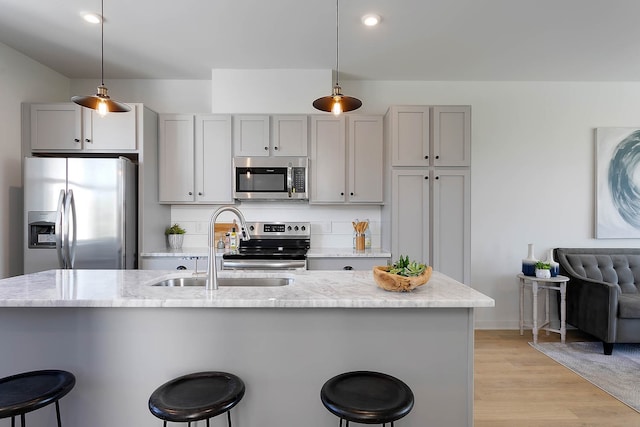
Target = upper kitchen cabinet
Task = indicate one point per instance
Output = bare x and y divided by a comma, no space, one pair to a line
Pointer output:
261,135
289,135
195,158
429,136
251,135
67,127
346,159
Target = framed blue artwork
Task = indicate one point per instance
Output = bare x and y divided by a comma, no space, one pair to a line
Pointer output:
617,183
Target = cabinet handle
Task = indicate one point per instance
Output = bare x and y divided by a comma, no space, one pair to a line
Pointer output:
426,157
199,193
437,157
275,148
426,177
437,177
190,193
342,194
76,140
87,140
351,194
266,148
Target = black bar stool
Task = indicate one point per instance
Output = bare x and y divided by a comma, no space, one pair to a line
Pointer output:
367,397
197,396
29,391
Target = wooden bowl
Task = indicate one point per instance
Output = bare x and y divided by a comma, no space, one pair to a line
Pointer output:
396,283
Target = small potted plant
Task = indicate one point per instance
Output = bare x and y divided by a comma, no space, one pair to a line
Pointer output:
402,276
543,270
175,236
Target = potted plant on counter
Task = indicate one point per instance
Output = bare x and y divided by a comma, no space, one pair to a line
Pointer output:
175,236
403,275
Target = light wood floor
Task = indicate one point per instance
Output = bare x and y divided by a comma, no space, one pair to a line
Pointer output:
517,386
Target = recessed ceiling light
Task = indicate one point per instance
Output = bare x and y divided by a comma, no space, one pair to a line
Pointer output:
92,18
371,19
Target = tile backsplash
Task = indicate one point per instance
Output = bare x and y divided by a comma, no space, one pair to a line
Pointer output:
330,225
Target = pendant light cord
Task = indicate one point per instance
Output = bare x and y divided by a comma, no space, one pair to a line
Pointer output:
102,41
337,46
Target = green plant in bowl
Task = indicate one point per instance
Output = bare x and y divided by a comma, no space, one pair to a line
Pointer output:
540,265
407,268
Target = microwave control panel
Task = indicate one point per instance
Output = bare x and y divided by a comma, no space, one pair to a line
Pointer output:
299,180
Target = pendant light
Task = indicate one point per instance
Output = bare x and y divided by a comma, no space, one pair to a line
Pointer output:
101,101
337,103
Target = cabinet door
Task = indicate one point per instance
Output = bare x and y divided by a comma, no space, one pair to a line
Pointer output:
213,158
410,207
365,159
451,247
410,132
56,127
176,158
112,132
289,136
327,160
251,135
451,136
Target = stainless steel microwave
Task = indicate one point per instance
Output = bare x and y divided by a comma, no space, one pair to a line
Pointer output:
271,178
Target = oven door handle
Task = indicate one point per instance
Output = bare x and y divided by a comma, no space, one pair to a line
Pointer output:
264,265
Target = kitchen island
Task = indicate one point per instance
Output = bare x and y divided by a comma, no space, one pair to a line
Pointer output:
123,337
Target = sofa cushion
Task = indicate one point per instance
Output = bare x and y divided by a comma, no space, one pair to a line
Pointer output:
629,306
623,269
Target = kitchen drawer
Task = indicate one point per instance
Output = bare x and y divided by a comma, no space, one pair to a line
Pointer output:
338,263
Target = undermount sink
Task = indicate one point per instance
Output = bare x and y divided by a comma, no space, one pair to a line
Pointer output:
226,281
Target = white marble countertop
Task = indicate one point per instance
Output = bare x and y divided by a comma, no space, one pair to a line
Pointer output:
310,289
312,253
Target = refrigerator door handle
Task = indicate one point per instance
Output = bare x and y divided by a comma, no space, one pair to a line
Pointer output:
59,231
70,209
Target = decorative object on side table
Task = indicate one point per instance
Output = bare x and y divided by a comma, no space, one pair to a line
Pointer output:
543,270
529,263
402,276
555,266
175,236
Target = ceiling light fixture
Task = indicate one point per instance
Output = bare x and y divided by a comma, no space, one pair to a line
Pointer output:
337,103
101,101
371,19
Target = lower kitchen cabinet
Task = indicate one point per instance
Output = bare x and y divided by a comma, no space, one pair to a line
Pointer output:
355,263
430,218
195,158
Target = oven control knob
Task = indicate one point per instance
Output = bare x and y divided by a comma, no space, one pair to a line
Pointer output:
289,228
251,228
303,228
295,228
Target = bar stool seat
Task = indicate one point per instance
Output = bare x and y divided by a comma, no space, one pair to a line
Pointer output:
28,391
197,396
367,397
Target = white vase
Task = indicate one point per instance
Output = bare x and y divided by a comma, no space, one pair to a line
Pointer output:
175,240
555,266
543,273
529,263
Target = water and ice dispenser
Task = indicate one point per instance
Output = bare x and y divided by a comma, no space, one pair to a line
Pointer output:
42,229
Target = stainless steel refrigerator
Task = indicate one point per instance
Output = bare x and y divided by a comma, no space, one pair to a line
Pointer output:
79,213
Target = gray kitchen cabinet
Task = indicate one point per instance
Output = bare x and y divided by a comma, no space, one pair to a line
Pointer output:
427,213
345,263
194,158
289,135
429,135
346,159
67,127
431,218
251,135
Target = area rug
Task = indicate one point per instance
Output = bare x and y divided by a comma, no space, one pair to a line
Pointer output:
618,374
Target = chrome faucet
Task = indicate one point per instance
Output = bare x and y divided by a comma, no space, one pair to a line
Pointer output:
212,270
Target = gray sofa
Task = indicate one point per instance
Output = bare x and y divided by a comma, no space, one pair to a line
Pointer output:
603,293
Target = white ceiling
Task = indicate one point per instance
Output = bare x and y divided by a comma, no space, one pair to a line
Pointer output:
525,40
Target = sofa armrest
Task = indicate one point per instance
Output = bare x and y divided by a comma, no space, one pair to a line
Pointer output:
592,306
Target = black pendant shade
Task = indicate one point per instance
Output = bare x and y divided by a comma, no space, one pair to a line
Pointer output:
337,103
101,101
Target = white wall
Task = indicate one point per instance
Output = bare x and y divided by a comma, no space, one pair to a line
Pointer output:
21,80
528,139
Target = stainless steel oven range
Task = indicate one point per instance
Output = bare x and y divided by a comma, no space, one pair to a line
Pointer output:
273,246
